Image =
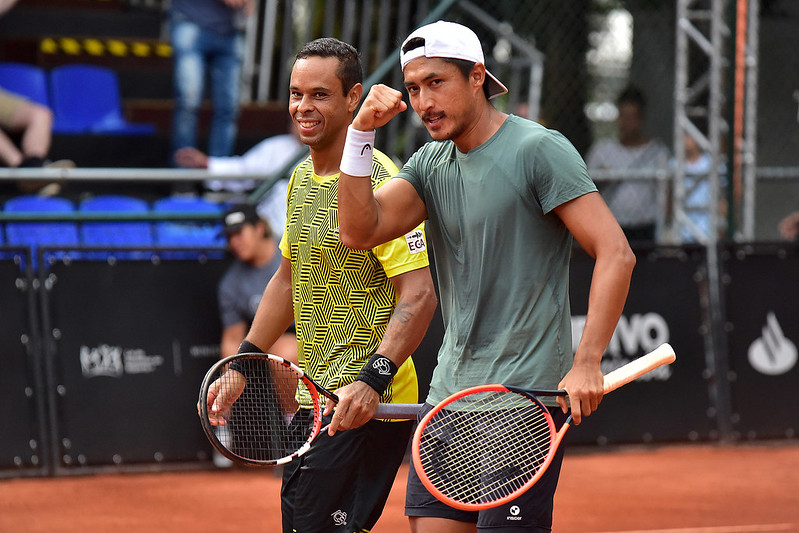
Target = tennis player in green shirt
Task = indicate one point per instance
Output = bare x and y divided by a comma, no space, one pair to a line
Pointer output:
504,198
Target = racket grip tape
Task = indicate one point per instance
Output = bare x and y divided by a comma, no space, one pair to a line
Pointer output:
398,411
662,355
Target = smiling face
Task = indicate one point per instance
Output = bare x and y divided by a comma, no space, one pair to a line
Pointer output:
445,100
318,105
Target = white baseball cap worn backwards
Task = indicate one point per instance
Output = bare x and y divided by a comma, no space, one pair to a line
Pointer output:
451,40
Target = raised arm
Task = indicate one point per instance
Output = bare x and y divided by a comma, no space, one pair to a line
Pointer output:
368,218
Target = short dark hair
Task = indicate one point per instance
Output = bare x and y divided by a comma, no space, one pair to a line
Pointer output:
632,95
463,65
349,71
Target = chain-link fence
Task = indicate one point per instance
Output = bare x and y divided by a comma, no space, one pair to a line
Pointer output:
566,63
777,110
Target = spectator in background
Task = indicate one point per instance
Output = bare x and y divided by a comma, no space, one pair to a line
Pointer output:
33,123
696,187
789,227
5,5
634,202
207,39
256,259
266,157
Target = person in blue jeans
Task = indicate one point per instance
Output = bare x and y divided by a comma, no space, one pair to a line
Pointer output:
207,41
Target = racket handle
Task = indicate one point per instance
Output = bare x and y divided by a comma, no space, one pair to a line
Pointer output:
398,411
662,355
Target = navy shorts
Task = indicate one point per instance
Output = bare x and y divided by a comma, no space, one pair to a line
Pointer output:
342,482
530,512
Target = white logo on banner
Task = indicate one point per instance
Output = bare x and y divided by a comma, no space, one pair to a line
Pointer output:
772,353
634,335
102,360
114,361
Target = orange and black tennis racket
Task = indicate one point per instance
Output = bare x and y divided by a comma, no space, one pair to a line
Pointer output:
249,411
486,445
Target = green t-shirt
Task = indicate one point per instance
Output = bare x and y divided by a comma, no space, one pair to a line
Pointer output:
501,254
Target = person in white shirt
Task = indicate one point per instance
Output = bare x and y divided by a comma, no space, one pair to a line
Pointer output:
266,157
634,202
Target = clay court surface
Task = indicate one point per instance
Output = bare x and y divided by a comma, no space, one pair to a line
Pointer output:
670,489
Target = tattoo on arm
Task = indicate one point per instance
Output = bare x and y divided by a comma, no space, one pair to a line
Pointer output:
403,312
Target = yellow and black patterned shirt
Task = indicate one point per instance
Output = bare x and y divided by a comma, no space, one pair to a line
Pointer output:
343,298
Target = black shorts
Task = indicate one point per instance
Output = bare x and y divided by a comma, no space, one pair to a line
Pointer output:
530,512
342,483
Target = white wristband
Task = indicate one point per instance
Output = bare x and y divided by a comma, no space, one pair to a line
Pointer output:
357,157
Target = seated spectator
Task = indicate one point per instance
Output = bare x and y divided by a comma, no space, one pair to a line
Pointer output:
256,259
33,123
266,157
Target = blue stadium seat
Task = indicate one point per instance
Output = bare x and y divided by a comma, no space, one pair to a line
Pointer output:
4,254
87,99
42,233
26,80
116,233
188,234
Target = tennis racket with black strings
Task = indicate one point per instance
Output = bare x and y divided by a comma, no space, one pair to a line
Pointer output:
248,406
486,445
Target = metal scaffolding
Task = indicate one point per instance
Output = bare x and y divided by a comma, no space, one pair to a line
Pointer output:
715,97
705,40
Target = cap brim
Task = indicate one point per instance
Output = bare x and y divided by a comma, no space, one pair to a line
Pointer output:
495,87
228,230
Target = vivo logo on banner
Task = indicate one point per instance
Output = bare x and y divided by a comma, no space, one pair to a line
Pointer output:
114,361
634,336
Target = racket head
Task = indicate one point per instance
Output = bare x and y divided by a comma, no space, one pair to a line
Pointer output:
484,446
256,422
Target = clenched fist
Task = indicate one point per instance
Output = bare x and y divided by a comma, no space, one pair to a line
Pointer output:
381,105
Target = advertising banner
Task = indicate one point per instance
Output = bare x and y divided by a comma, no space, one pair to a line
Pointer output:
663,305
22,445
762,306
130,344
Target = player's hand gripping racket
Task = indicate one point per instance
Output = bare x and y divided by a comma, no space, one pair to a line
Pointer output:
486,445
248,406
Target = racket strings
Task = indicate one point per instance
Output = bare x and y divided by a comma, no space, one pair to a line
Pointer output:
262,424
485,446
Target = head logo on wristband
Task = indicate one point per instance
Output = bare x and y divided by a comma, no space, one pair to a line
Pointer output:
378,372
382,367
